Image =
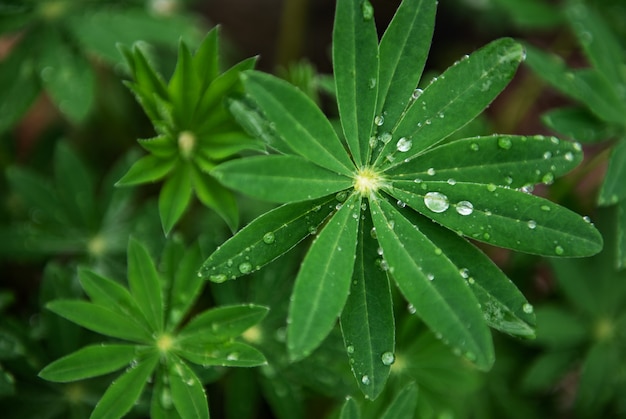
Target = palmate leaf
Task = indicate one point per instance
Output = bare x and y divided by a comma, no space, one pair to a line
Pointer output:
228,354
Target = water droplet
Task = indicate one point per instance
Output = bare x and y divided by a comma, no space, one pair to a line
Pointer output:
380,251
401,204
430,277
508,180
367,10
341,196
587,219
379,120
545,208
505,143
436,202
438,251
464,208
218,279
547,155
474,147
569,156
268,238
464,272
373,142
233,356
371,83
350,349
373,233
548,178
365,380
416,93
527,308
577,146
471,280
404,144
411,309
451,182
491,187
559,250
245,267
485,86
428,122
431,172
527,188
388,358
385,137
532,224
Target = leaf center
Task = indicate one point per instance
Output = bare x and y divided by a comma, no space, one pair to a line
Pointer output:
367,181
186,144
165,343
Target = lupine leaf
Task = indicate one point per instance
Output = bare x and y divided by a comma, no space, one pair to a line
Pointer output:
187,392
266,238
613,188
215,196
145,284
597,378
100,319
147,169
229,354
403,405
403,52
350,409
433,284
299,121
504,307
355,67
502,217
36,192
514,161
456,97
187,284
323,282
123,393
222,323
175,197
87,362
280,178
161,146
367,322
206,59
183,87
577,123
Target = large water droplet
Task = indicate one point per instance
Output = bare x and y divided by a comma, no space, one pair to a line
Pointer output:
532,224
431,171
379,120
218,279
569,156
505,143
436,202
233,356
416,93
365,380
245,267
388,358
464,208
269,238
404,144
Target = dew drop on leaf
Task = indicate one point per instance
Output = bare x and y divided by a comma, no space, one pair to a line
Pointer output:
379,120
268,238
451,182
388,358
464,208
569,156
474,147
371,83
416,93
548,178
505,143
431,172
404,144
350,349
385,136
491,187
218,279
367,10
365,380
341,196
233,356
527,308
558,250
532,224
547,155
436,202
464,272
245,267
411,309
373,233
430,277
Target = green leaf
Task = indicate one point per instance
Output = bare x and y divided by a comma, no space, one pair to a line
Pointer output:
184,87
514,161
504,307
266,238
146,170
547,369
559,328
162,146
75,187
87,362
215,196
403,405
175,197
100,319
323,282
597,378
123,393
37,193
249,117
432,283
187,285
206,59
601,46
187,392
280,178
350,409
221,324
108,293
145,284
621,235
68,78
367,322
300,123
229,354
403,52
456,97
502,217
355,66
613,189
577,123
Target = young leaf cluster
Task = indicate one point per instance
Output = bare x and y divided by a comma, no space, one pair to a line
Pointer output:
600,91
57,39
194,129
152,343
370,195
